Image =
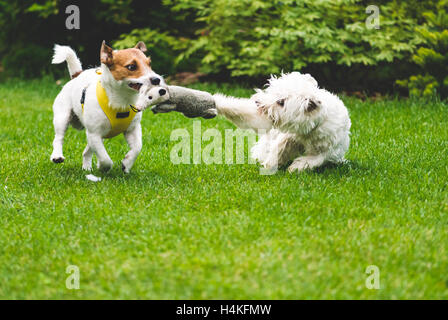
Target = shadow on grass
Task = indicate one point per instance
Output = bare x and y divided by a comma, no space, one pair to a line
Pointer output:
335,171
183,177
347,168
74,174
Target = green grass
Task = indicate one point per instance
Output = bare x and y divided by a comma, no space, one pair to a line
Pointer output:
224,231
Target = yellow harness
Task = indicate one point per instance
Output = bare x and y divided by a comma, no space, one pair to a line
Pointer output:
119,121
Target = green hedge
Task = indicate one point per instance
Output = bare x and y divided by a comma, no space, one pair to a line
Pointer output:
250,39
246,40
432,56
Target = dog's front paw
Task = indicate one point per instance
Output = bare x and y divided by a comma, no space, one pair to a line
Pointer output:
125,168
270,164
57,158
307,162
298,165
126,165
87,167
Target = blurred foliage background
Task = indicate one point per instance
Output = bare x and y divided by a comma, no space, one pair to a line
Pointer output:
244,40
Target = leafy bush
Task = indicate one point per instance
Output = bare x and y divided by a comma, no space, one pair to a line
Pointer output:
32,61
252,37
432,57
26,25
244,39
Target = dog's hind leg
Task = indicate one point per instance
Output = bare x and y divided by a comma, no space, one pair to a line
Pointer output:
134,140
61,120
277,149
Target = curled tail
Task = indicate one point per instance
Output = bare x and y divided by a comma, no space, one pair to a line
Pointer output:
65,53
242,112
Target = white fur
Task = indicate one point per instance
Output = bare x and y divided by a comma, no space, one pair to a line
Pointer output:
241,111
64,53
67,110
307,138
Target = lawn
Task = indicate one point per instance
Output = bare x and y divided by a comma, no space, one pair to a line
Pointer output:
224,231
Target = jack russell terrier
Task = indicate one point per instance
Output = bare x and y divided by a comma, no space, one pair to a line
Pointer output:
102,100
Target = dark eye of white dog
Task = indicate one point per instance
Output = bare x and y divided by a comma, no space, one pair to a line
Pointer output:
312,105
150,97
281,102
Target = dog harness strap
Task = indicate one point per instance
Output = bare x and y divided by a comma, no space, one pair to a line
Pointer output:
119,120
83,98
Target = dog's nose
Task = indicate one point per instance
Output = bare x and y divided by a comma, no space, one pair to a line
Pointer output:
155,80
162,92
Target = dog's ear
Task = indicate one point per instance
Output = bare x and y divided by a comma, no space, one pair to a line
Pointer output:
106,54
312,105
141,46
309,78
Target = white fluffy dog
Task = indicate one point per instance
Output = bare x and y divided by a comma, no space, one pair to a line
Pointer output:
300,125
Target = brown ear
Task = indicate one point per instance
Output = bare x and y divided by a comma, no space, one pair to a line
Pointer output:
106,54
141,46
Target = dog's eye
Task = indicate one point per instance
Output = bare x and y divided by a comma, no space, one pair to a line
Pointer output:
131,67
150,97
281,102
312,105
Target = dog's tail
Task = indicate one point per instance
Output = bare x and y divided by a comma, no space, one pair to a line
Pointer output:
65,53
242,112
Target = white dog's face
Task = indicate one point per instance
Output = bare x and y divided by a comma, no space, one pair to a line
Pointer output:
150,95
292,103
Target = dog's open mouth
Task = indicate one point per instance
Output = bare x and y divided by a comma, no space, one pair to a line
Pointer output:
135,86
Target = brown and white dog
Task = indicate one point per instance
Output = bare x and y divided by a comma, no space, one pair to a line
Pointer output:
101,101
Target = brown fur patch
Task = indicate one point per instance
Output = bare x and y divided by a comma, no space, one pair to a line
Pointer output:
126,63
106,54
126,57
76,74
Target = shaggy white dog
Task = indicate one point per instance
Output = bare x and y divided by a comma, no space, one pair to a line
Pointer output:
299,124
